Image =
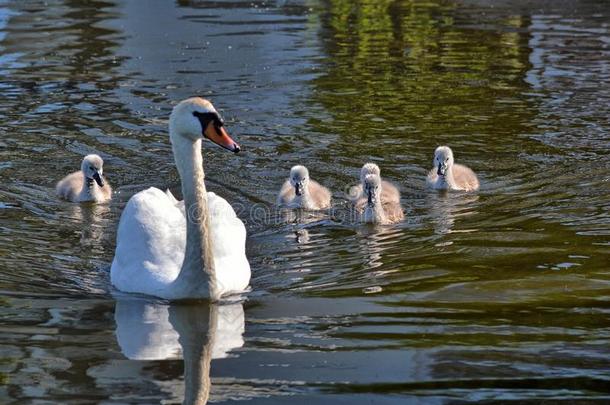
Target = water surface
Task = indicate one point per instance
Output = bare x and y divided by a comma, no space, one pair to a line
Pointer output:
499,295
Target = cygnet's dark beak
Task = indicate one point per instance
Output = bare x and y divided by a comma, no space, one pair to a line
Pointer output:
298,189
441,170
369,194
98,179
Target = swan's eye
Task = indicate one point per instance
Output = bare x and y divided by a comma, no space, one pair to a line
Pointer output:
207,117
446,160
90,167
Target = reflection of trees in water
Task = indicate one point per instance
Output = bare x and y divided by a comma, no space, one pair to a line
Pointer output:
404,66
63,82
79,50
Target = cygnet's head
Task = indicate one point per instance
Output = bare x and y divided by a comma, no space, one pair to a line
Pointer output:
372,188
443,159
299,177
93,169
196,118
369,168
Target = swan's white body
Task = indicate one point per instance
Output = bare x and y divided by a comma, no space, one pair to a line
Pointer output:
169,252
151,244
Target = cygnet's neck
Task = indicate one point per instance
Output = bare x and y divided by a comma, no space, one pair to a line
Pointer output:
447,181
304,200
374,213
197,278
90,191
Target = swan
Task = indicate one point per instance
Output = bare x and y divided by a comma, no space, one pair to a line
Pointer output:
447,175
87,184
373,209
299,191
389,192
183,250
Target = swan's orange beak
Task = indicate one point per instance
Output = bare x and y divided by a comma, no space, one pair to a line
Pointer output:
220,137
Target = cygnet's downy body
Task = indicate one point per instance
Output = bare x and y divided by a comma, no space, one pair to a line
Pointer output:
389,192
373,210
299,191
88,184
448,175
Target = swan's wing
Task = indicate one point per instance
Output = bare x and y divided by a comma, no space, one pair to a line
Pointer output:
171,197
393,212
465,178
286,194
229,246
107,190
320,194
150,243
432,177
389,192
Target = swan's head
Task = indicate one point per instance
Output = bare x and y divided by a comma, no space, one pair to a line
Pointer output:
196,118
369,168
93,169
372,188
443,159
299,178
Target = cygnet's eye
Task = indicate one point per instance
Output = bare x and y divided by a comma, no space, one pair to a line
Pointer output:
446,160
90,167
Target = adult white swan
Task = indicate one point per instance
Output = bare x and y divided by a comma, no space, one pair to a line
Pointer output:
175,253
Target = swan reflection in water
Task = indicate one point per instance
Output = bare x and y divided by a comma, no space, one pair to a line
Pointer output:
446,207
93,220
197,333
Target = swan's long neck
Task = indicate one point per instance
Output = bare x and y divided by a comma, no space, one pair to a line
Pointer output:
197,278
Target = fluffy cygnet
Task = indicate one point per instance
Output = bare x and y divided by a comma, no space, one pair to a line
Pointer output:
447,175
373,209
87,184
299,191
389,192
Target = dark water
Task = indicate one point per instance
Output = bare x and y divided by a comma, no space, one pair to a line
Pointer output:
501,295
